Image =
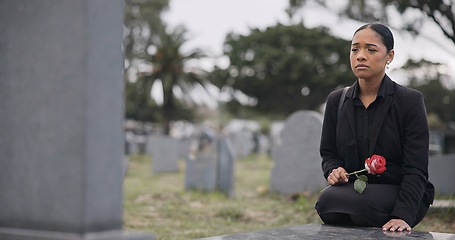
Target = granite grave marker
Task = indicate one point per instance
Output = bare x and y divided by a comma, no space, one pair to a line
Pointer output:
297,166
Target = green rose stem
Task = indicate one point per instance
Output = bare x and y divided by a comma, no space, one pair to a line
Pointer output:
363,170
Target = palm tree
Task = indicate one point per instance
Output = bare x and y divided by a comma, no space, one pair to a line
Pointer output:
141,18
164,55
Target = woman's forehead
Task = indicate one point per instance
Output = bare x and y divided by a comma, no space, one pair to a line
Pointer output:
366,36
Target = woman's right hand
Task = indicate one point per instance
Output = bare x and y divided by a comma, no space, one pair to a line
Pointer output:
338,176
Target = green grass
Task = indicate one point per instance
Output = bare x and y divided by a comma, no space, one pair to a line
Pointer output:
159,204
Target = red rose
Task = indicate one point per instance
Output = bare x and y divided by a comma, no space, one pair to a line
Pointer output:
375,164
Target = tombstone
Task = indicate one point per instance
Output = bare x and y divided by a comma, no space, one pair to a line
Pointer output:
440,169
212,168
261,143
132,144
201,171
226,161
62,143
242,143
184,147
165,153
241,134
275,133
297,161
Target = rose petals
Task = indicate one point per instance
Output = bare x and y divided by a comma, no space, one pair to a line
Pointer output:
375,164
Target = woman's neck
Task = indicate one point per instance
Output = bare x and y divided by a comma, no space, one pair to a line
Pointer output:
370,87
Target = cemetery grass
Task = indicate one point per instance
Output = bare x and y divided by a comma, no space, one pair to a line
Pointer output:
157,203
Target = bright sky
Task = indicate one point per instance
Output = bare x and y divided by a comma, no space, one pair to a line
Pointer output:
209,21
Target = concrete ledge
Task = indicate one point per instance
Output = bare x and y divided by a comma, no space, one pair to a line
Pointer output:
28,234
443,204
318,231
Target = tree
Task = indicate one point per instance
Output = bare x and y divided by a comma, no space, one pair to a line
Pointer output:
153,52
439,98
142,17
285,68
166,61
441,12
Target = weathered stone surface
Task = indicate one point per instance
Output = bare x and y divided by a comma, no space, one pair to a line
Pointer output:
226,166
61,104
297,161
201,171
164,151
323,232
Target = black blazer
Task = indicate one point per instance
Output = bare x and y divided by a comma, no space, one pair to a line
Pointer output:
399,133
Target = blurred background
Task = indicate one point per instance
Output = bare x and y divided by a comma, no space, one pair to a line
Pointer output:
233,65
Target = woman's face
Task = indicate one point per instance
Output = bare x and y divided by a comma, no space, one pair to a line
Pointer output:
369,55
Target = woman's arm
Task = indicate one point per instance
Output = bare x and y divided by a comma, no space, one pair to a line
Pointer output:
415,159
328,147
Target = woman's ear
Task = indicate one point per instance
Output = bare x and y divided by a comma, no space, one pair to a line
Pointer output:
390,56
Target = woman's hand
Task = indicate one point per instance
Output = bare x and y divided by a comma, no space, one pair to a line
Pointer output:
338,176
396,225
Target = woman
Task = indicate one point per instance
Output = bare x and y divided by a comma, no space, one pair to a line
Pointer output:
378,116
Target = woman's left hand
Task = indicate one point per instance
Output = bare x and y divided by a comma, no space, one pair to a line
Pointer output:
396,225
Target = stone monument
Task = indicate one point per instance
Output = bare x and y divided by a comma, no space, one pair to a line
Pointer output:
61,99
297,166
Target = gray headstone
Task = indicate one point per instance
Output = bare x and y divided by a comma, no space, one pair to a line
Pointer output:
242,143
132,144
440,168
201,171
62,143
297,161
226,161
184,147
261,143
165,153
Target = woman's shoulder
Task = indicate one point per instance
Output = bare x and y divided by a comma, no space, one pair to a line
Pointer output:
335,94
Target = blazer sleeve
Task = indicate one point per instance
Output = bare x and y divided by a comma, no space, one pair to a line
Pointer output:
328,147
415,159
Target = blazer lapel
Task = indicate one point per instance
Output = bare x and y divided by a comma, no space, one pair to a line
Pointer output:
381,114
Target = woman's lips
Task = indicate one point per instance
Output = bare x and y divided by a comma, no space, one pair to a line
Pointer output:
361,66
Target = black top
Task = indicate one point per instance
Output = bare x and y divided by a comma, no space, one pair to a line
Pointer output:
364,121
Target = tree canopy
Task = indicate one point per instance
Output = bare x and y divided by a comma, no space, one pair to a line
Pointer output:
154,54
439,98
441,12
286,68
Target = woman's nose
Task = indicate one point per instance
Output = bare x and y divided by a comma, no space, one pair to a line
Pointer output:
360,56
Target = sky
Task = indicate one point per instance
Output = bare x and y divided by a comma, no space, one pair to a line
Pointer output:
209,21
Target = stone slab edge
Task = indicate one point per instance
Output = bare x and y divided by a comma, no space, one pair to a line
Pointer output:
29,234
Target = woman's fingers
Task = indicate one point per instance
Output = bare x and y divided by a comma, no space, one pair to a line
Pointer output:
396,225
338,175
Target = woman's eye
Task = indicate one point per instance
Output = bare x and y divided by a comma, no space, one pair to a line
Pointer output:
353,49
371,50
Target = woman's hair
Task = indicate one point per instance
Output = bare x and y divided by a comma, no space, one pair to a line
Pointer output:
384,33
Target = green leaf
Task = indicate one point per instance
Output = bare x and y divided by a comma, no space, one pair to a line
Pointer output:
360,185
363,178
